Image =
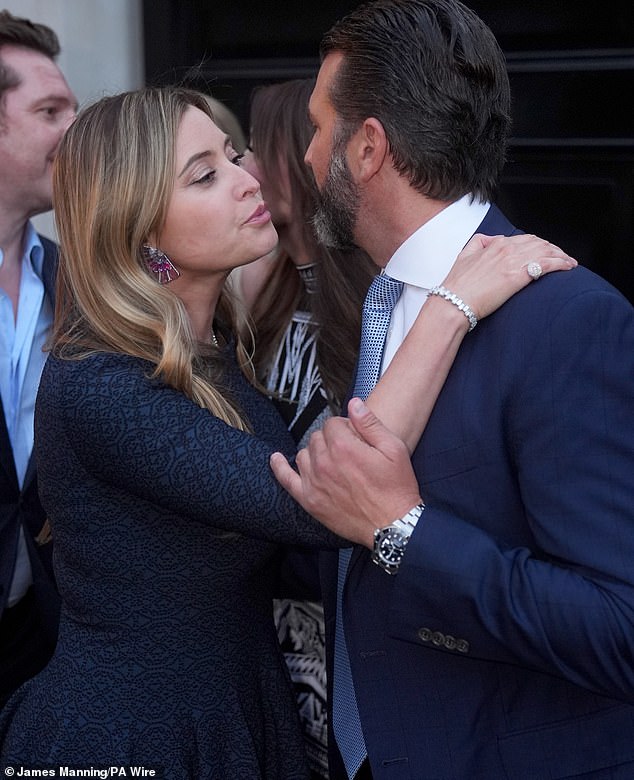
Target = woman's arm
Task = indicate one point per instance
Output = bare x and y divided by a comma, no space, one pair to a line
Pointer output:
488,271
143,442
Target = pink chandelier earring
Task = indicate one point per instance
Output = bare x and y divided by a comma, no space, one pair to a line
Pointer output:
159,265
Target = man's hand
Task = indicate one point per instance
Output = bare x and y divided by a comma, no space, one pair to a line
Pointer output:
354,476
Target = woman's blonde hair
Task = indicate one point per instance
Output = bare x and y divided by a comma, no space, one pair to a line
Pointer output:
112,182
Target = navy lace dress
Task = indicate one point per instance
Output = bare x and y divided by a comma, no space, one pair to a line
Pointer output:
166,524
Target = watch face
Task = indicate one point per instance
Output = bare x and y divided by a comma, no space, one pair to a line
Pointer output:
390,545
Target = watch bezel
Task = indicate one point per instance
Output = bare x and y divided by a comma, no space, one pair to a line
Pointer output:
391,558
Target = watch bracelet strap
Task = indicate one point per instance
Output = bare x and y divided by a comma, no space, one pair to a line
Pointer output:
408,522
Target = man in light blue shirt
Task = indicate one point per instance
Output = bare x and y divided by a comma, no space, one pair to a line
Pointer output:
36,107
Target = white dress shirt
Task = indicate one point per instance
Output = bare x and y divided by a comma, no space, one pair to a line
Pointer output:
424,260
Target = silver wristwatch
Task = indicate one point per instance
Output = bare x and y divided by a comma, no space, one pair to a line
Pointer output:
390,542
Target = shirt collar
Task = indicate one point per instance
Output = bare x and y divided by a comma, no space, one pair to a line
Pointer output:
33,250
425,258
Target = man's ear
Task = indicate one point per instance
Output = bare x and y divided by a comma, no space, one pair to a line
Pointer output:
369,149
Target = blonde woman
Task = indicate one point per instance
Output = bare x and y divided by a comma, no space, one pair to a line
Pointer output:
153,453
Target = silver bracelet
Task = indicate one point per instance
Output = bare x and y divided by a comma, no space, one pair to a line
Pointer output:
468,312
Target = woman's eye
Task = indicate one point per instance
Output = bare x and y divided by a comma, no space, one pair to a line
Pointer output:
237,160
207,178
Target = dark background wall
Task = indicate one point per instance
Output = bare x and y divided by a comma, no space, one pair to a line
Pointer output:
570,173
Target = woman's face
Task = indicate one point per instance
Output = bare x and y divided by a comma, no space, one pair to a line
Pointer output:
216,219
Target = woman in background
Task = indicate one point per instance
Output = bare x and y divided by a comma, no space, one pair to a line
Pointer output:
307,313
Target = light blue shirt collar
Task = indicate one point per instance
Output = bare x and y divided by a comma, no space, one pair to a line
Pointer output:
33,250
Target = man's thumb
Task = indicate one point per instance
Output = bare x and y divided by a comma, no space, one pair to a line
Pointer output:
366,423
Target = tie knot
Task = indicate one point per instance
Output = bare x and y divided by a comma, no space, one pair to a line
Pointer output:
383,293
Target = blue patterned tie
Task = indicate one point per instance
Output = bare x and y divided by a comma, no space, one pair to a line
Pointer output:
377,310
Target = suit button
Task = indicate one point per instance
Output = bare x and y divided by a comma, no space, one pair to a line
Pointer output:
462,646
438,639
425,634
450,642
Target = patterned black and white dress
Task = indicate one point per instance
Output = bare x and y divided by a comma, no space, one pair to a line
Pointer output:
300,397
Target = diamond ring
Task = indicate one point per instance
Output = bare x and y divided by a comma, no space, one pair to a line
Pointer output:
534,270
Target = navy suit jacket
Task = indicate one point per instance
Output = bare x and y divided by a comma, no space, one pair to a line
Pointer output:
22,507
504,647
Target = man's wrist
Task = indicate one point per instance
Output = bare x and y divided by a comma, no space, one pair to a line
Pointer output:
391,541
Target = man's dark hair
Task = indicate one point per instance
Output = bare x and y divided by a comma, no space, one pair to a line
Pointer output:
435,77
15,31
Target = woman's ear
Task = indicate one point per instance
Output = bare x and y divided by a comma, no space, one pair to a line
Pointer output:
368,149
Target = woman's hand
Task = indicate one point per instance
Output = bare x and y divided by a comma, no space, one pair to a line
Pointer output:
490,269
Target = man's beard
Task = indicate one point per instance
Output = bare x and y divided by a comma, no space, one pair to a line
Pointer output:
336,215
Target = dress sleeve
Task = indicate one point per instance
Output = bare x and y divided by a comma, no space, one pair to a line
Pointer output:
152,442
